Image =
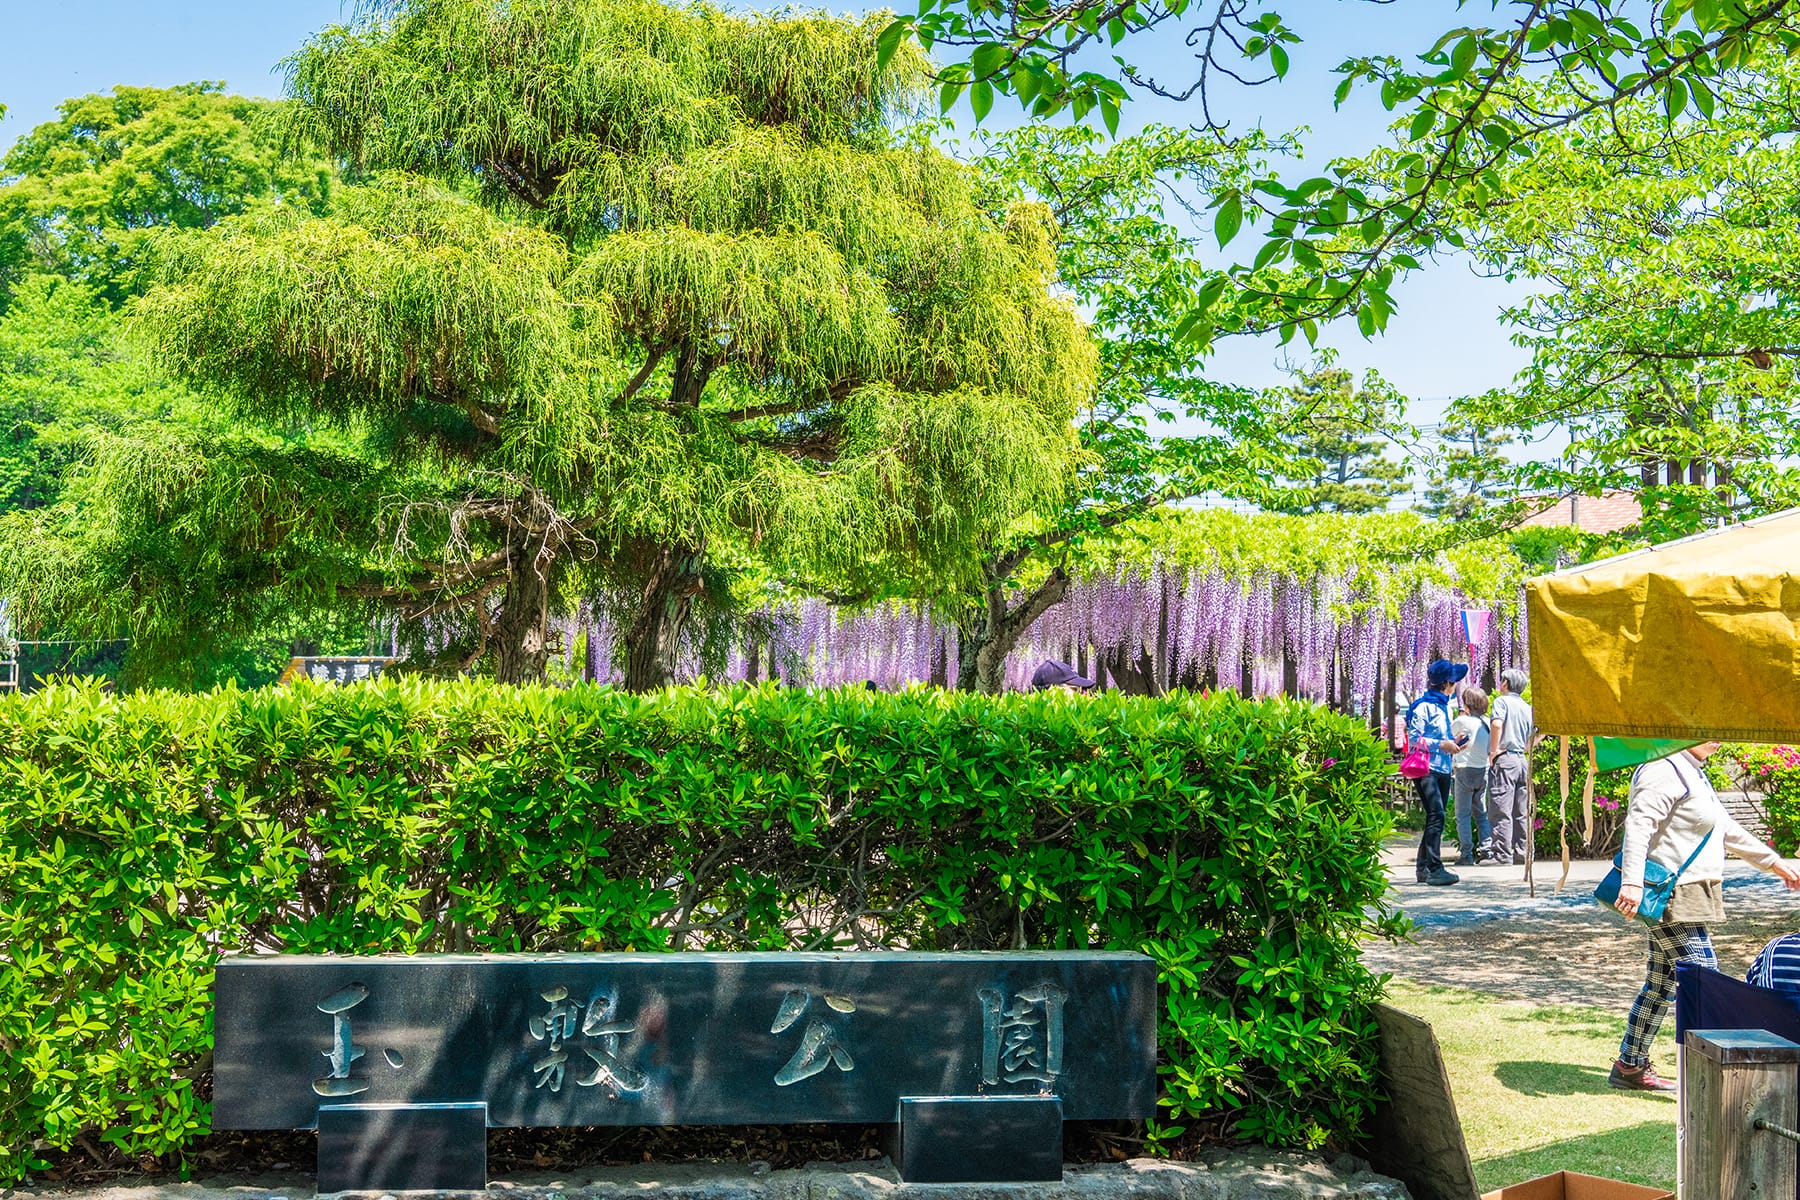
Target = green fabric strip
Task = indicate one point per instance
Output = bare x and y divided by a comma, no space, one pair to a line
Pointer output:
1612,753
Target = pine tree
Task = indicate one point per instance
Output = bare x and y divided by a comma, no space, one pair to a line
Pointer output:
1341,432
1468,472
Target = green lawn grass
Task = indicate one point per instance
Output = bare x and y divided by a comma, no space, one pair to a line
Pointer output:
1530,1088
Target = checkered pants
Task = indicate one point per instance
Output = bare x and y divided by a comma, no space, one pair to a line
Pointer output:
1670,942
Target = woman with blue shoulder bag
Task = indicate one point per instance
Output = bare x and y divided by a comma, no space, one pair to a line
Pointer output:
1670,874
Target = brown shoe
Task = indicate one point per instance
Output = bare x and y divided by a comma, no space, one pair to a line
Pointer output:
1638,1079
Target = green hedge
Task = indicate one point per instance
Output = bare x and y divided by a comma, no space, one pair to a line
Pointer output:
1236,842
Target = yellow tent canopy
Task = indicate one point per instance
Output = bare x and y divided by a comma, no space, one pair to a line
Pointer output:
1697,640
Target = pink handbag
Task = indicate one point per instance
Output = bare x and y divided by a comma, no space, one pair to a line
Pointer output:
1416,764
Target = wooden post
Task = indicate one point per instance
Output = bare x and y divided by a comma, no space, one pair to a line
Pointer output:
1730,1079
1375,703
1395,738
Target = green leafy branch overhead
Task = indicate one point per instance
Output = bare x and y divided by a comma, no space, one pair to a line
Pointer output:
1468,101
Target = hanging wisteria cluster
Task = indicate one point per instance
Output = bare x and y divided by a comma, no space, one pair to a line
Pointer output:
804,641
1320,637
1204,628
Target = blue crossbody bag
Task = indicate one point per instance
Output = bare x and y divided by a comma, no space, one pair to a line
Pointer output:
1659,881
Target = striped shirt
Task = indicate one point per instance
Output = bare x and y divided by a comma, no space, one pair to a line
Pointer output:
1778,966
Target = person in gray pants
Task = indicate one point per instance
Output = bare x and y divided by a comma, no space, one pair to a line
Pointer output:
1511,735
1469,768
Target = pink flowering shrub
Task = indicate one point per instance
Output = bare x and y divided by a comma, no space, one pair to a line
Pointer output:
1771,774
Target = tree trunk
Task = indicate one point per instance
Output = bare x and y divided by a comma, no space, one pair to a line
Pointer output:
1392,692
990,638
1375,703
982,667
1162,670
521,633
1132,679
655,633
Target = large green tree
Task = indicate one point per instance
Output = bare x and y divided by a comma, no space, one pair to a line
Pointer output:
1157,428
80,195
1666,329
629,286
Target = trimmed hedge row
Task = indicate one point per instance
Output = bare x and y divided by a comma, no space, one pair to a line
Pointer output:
141,836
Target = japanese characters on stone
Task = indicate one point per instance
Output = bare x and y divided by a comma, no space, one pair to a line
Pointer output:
598,1041
820,1045
344,1051
595,1045
1022,1037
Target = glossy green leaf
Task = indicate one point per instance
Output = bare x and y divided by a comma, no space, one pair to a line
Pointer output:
1228,218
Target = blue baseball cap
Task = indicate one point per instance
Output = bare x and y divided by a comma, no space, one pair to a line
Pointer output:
1444,671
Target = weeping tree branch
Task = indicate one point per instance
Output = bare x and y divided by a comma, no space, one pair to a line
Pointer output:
783,409
651,362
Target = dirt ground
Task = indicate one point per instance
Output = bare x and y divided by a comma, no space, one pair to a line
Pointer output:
1488,934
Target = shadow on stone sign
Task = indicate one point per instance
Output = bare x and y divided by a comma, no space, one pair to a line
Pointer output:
1415,1135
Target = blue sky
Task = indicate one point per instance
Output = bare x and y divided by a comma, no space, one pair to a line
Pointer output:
1445,339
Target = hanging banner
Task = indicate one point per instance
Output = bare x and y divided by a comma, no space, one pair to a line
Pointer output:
1475,625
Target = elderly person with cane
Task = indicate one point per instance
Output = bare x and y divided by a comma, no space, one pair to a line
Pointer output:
1674,820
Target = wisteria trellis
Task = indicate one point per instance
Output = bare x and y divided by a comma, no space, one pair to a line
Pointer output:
1198,627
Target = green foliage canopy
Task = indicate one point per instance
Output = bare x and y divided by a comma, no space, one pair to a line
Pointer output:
1121,253
1665,336
1393,556
65,378
79,196
1470,100
628,285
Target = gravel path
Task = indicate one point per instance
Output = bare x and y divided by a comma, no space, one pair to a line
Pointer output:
1490,934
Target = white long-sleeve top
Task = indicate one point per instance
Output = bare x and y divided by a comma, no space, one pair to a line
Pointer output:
1671,808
